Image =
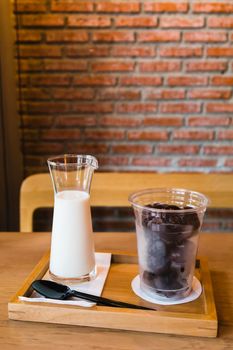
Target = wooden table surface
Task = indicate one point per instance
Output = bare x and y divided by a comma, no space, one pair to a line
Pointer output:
21,251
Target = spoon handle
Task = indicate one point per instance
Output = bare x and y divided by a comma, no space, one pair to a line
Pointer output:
106,301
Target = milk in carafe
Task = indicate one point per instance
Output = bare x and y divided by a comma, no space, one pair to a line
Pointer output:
72,248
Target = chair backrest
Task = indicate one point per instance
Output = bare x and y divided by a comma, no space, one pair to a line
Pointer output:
113,189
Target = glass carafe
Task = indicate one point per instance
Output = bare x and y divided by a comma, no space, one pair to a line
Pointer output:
72,246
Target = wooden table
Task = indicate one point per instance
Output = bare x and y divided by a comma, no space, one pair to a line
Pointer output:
21,251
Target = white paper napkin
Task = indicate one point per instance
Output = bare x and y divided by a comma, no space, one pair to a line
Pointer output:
194,294
94,287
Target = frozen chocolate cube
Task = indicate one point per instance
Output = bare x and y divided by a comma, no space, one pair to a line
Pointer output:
157,258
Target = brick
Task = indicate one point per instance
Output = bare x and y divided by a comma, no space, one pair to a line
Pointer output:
25,6
218,149
181,22
118,94
140,81
159,135
93,108
219,107
71,6
232,67
180,51
45,20
112,66
113,36
220,22
211,226
137,108
113,160
28,65
220,51
28,36
211,36
39,51
104,134
217,212
35,161
209,94
132,148
186,80
143,161
60,134
71,120
160,66
95,80
31,135
203,162
159,36
45,148
87,51
45,107
89,21
133,51
47,80
225,135
139,22
113,223
65,65
220,80
206,66
165,6
119,121
163,121
118,7
213,7
72,94
82,89
193,134
157,94
66,36
229,162
35,121
34,94
228,226
179,107
23,80
178,149
208,121
87,148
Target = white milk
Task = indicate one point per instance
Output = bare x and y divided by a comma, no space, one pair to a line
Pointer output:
72,248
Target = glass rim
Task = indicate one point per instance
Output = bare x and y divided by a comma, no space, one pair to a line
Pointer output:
90,160
132,196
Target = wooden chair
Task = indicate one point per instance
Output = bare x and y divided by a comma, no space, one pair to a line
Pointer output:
113,189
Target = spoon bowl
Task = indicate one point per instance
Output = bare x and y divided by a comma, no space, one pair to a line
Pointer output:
52,290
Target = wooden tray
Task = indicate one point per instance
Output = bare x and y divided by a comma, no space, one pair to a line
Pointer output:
197,318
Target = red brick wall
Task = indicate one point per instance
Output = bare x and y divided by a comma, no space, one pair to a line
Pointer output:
143,85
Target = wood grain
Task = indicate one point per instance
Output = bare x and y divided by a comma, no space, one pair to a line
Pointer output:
197,318
113,189
21,251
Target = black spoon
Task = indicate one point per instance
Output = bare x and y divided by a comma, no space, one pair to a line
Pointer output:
53,290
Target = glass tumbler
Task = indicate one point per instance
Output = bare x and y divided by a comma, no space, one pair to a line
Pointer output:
168,222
